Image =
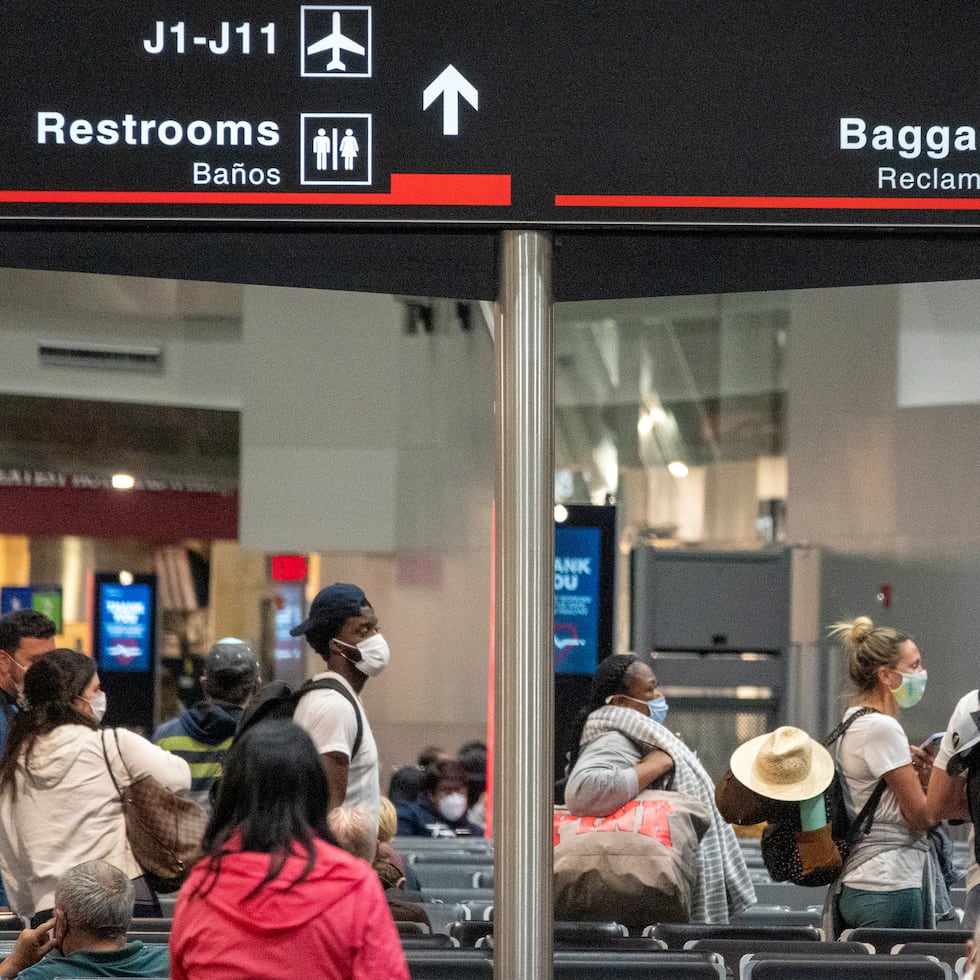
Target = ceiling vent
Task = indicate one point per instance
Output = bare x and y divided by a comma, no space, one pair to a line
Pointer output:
105,357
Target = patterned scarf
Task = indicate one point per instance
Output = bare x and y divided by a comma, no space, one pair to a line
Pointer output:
723,887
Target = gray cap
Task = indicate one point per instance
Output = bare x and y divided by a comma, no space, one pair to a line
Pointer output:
231,660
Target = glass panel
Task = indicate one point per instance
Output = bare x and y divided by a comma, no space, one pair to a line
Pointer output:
676,408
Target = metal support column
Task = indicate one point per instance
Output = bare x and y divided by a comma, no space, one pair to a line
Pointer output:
524,672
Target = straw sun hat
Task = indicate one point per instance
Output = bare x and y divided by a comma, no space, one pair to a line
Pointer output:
783,765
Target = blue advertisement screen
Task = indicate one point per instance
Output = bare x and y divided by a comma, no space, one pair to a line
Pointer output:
576,599
127,628
13,598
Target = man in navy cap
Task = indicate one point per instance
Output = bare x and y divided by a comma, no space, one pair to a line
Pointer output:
343,628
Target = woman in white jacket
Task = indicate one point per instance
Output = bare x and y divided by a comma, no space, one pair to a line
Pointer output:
58,804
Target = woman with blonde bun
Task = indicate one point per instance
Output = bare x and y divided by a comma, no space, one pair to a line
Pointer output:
882,881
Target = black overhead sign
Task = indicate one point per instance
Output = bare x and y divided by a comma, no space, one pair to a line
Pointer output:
493,113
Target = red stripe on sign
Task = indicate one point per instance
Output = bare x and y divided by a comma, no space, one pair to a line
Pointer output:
817,203
459,190
486,189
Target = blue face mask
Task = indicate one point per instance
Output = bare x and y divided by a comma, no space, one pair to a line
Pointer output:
658,709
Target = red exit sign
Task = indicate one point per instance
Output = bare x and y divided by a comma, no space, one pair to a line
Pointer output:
289,568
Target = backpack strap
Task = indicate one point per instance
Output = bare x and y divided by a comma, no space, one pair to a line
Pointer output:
863,821
844,725
332,684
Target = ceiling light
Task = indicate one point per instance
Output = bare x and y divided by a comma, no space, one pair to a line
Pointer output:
561,513
125,578
123,481
677,468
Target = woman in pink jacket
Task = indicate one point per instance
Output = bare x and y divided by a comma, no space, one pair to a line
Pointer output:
273,897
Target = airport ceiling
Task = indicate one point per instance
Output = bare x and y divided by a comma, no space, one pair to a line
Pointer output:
713,365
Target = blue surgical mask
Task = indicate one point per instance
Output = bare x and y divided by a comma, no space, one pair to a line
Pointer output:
658,709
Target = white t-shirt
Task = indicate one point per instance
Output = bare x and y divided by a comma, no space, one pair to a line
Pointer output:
873,745
330,720
961,732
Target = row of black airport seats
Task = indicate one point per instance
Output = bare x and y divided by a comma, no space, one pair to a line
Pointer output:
667,949
463,964
732,942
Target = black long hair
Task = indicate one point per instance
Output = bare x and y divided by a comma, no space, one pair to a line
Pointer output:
610,678
51,685
274,794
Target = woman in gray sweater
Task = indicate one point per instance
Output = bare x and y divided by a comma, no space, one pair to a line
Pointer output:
622,747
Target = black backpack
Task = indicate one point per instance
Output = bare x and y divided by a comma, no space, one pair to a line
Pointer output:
276,700
780,852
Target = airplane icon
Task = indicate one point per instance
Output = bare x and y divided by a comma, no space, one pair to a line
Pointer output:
335,42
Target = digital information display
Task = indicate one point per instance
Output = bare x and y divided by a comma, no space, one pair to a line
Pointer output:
47,601
502,114
577,567
126,627
14,598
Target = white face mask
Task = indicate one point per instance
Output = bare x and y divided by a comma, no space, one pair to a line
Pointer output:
21,670
98,705
374,655
452,806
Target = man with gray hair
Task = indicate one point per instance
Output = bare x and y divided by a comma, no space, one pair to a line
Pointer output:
93,909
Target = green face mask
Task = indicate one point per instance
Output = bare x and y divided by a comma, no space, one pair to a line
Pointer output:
909,692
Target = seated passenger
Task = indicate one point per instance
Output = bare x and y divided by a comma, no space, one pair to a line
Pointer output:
430,754
273,895
93,909
405,784
622,747
473,758
352,831
440,808
389,862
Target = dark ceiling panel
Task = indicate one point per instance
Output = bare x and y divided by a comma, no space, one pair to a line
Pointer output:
155,441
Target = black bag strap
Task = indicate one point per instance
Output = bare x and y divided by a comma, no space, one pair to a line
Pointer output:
863,821
332,684
845,724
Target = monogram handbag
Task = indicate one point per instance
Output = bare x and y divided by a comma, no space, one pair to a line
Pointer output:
164,829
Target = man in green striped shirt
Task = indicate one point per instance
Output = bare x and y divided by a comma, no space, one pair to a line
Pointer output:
202,734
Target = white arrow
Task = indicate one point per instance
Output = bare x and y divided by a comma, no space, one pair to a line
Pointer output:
451,85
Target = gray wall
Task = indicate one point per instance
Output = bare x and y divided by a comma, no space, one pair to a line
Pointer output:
883,493
375,448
